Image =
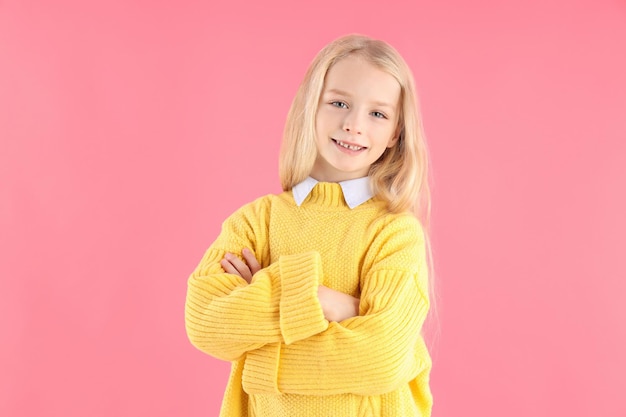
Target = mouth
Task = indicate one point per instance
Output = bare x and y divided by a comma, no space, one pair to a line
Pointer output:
348,146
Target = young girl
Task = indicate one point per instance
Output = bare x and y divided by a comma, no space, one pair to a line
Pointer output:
318,295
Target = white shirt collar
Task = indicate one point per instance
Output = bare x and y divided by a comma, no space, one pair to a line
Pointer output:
355,192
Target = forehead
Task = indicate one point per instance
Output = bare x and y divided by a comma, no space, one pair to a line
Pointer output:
359,78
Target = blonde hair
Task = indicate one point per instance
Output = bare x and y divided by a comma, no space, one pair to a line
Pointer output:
400,175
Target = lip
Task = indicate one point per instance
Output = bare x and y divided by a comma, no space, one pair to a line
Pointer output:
336,141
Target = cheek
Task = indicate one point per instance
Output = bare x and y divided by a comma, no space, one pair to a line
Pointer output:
326,118
383,134
321,120
320,133
319,126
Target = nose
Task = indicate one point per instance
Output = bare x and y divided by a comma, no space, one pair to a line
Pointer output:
352,123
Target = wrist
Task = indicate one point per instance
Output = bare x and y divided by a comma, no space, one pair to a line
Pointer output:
336,305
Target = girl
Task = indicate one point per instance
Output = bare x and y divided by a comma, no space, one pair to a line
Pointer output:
318,295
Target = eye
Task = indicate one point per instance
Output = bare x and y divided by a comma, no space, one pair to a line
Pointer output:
340,104
379,115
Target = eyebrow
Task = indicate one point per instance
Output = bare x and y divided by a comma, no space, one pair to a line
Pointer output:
376,103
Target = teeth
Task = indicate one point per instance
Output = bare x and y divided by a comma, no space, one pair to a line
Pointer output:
351,147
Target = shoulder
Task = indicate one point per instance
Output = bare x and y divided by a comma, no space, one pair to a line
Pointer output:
252,213
396,242
249,223
262,207
397,225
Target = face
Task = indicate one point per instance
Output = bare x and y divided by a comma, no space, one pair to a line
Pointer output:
356,121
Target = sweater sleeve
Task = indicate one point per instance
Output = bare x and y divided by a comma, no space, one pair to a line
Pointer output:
227,317
372,353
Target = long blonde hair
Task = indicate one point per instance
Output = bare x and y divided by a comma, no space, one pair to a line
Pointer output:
400,175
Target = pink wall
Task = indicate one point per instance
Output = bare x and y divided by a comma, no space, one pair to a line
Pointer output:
130,130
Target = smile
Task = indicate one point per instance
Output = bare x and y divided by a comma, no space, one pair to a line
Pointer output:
347,146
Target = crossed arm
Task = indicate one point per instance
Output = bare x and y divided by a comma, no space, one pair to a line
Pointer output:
300,337
336,305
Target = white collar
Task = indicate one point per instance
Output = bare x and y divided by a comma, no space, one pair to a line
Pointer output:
355,192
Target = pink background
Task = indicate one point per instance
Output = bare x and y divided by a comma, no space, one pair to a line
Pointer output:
129,130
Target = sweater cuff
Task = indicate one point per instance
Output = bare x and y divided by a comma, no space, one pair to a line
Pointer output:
301,314
260,372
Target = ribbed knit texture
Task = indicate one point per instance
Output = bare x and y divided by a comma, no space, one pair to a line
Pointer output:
288,360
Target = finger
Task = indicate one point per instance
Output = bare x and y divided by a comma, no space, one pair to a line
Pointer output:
228,267
253,264
240,266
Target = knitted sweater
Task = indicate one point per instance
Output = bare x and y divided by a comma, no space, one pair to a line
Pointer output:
287,359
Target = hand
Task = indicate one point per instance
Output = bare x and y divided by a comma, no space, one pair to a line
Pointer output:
233,265
336,305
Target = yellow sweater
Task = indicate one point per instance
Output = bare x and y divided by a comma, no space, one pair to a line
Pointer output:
287,359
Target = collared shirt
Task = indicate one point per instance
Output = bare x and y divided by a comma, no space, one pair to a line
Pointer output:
355,192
